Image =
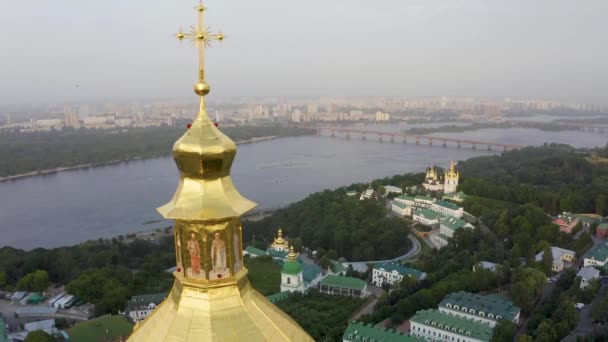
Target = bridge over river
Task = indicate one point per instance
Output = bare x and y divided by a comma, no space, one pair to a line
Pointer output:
392,137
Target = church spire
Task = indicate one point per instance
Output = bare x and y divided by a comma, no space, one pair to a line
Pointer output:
211,298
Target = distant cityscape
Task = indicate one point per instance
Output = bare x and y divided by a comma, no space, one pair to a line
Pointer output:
261,111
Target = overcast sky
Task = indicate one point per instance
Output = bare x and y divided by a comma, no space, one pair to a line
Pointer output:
126,50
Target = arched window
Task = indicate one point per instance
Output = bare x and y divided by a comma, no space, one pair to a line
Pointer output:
288,280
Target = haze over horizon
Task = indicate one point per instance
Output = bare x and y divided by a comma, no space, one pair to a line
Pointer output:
69,51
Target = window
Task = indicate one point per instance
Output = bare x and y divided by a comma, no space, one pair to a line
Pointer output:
288,280
481,314
448,305
490,315
498,317
350,336
456,307
468,333
472,311
464,309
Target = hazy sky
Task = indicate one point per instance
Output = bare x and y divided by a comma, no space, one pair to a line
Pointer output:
125,49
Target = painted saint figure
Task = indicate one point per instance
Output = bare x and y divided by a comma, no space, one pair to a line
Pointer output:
195,255
218,254
236,242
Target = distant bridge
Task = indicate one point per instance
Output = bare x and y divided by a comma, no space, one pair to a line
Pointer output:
348,133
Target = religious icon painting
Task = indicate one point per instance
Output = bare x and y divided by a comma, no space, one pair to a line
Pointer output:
193,248
237,249
219,260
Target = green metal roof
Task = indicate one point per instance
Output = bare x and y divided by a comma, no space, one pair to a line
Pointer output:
291,267
390,267
425,198
589,218
453,223
448,205
255,251
277,297
400,205
406,197
427,213
370,332
475,329
494,304
277,254
343,282
599,253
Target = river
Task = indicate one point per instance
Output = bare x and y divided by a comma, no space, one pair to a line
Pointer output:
74,206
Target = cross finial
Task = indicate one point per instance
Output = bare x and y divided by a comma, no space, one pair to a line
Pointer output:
202,36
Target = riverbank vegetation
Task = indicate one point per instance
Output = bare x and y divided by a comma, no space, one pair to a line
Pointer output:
24,153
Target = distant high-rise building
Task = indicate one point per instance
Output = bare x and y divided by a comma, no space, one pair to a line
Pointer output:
312,108
380,116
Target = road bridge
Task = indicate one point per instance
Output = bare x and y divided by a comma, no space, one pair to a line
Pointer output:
418,139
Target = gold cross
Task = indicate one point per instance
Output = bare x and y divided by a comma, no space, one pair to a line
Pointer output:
202,37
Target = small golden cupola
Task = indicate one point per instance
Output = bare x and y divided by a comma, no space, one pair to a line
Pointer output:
279,243
211,298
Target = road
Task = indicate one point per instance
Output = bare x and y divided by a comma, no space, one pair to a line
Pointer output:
361,266
585,324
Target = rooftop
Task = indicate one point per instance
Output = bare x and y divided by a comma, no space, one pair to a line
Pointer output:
589,273
494,304
424,198
557,254
453,223
141,301
399,204
3,331
344,282
477,330
255,251
370,332
448,205
599,253
405,197
390,267
291,267
427,213
277,297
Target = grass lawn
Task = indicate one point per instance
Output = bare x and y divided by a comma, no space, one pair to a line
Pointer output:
102,329
264,274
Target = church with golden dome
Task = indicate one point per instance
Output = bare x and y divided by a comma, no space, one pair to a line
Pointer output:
279,244
447,184
211,298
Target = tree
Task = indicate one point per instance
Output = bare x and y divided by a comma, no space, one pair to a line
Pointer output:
547,260
37,281
527,286
39,336
3,279
504,331
600,204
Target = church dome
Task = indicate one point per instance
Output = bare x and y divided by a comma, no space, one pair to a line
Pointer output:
292,267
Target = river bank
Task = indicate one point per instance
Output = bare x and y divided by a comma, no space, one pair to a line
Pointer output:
111,162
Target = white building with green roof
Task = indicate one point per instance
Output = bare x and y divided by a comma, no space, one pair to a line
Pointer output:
392,273
401,208
597,256
426,216
254,252
486,309
343,286
446,208
448,226
140,307
434,325
292,274
361,332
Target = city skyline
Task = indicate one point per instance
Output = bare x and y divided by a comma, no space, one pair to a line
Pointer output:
414,49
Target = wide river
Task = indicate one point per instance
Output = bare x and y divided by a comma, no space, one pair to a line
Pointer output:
74,206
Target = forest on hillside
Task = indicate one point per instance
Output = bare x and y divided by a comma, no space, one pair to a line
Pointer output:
333,221
556,178
23,153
